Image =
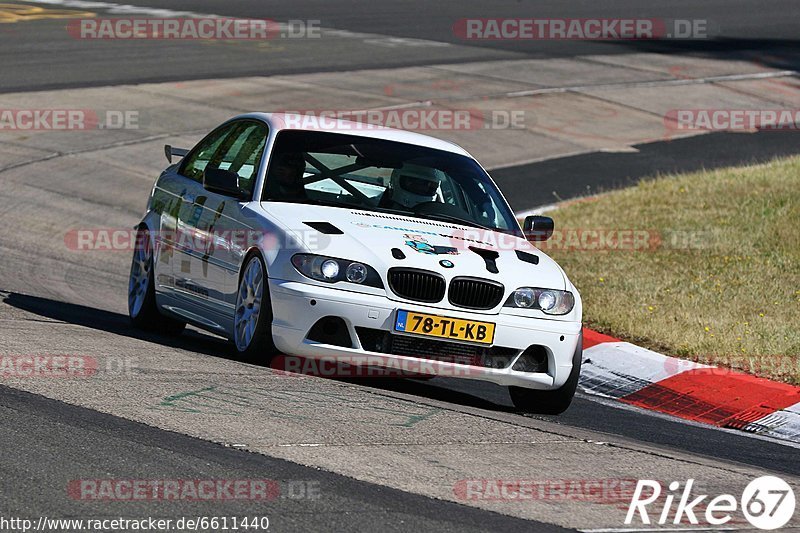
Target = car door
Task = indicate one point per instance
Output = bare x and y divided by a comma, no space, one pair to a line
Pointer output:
179,227
221,225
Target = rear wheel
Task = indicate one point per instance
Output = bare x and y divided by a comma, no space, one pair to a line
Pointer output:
142,307
550,402
252,323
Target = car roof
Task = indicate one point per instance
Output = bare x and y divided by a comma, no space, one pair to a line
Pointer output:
307,122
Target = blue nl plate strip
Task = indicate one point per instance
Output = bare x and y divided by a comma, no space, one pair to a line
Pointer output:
400,321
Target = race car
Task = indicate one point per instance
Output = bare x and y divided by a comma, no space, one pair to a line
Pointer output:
331,239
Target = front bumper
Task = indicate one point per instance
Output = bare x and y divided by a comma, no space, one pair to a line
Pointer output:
298,306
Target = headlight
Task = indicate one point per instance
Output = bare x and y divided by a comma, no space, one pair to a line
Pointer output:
547,300
356,273
524,297
333,270
330,269
550,301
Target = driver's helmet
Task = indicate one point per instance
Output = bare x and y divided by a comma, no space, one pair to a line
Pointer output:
414,184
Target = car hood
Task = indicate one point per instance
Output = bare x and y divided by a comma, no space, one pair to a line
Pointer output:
384,240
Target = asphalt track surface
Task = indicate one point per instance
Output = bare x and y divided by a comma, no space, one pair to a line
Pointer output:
585,174
46,442
586,412
400,34
45,445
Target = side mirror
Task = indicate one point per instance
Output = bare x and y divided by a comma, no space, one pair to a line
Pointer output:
223,182
537,228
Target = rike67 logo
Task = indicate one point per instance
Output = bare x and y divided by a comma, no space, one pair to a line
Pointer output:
767,502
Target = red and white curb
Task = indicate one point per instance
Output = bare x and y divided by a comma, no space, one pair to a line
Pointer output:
692,391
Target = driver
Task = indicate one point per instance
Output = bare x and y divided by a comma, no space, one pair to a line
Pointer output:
412,185
286,176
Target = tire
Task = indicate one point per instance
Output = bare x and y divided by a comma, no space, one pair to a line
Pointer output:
142,308
252,322
550,402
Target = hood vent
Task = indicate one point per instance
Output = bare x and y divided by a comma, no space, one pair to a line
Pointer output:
325,227
528,258
489,257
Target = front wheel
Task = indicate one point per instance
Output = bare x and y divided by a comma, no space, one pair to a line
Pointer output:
252,323
550,402
142,307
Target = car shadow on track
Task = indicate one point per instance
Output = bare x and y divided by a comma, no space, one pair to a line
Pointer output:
468,394
117,324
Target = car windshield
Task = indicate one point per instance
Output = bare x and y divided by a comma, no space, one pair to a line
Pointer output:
378,175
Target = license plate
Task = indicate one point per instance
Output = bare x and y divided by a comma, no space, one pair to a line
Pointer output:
444,327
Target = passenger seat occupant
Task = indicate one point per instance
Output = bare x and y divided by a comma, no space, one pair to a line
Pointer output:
285,179
410,186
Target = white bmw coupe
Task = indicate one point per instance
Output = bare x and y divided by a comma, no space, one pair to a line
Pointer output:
329,239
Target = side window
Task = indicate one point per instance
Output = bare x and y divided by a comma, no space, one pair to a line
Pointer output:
237,147
196,163
241,152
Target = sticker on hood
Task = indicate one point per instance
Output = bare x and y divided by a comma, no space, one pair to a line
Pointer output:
421,245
